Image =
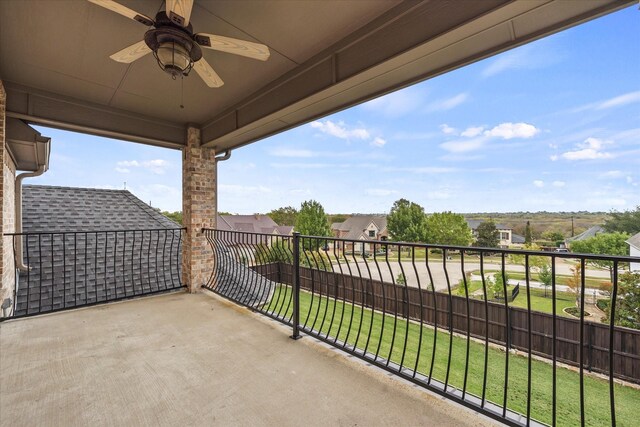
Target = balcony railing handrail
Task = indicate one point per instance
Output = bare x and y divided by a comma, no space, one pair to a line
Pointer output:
506,251
334,288
131,230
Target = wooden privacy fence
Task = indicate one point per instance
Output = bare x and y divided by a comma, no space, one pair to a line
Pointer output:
507,327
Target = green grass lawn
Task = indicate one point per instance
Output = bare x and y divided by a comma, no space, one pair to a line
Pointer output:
354,324
561,279
539,302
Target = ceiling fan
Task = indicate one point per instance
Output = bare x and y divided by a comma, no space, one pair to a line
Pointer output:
174,44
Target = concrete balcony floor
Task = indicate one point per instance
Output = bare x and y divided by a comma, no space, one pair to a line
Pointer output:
182,359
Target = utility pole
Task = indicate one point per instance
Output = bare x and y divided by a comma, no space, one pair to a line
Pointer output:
572,232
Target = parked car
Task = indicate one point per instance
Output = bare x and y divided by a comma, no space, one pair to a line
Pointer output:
562,250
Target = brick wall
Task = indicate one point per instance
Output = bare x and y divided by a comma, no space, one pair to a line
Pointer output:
198,209
7,195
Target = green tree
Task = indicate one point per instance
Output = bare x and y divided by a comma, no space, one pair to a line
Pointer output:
528,238
312,221
448,228
627,312
603,244
499,285
174,216
284,216
624,222
407,222
553,236
545,277
488,235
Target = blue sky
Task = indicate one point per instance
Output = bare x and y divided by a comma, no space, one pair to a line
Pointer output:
553,125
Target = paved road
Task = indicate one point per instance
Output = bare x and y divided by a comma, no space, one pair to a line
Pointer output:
418,275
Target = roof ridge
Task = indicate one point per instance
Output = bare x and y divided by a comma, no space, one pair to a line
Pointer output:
152,213
63,187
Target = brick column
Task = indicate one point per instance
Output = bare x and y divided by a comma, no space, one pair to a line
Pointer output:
3,99
199,189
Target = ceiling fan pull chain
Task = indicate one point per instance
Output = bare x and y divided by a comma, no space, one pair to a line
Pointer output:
181,91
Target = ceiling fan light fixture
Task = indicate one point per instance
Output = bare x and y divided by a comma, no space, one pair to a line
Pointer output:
174,59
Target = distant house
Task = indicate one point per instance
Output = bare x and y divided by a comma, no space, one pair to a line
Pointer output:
587,234
634,250
506,233
262,224
517,239
366,228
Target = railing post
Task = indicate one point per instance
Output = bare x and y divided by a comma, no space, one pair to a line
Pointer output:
296,286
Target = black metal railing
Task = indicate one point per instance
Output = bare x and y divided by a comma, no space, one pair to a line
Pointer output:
61,270
436,315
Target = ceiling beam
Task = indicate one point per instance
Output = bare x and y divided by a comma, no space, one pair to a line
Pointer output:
408,44
52,110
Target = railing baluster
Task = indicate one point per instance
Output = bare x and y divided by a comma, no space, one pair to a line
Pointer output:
582,298
612,317
296,286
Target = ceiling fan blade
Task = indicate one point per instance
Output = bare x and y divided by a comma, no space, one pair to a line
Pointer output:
179,11
206,73
124,11
235,46
131,53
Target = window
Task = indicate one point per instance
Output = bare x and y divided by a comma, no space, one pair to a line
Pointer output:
504,235
372,233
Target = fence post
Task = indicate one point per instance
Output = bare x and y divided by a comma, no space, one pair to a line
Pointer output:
296,286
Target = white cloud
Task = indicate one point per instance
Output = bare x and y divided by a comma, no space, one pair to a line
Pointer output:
463,145
618,101
590,149
340,130
448,103
554,157
470,132
157,166
379,192
538,183
586,154
448,130
594,143
397,103
559,184
378,142
532,56
513,130
611,174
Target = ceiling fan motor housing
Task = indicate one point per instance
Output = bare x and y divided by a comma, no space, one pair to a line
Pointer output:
173,46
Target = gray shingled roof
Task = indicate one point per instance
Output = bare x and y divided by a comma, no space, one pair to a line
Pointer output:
251,223
587,234
68,270
634,241
516,238
356,224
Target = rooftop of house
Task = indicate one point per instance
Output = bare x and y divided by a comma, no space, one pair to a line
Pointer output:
101,265
587,234
357,224
249,223
56,209
634,241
